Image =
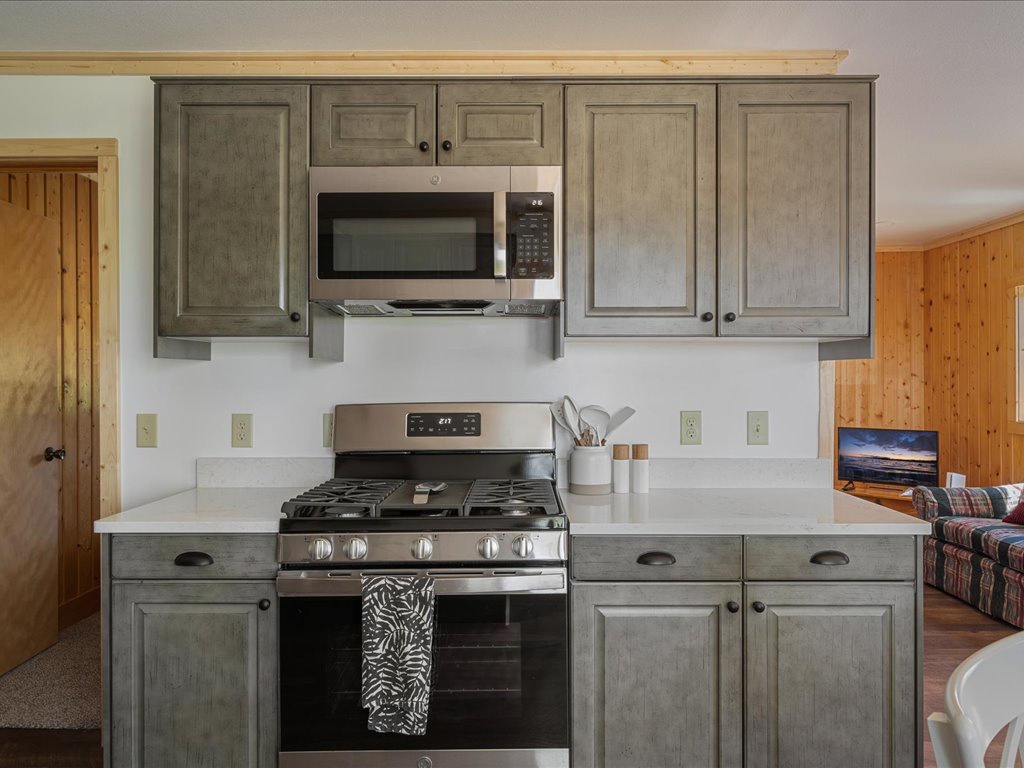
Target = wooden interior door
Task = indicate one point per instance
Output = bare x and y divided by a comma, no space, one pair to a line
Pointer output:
30,418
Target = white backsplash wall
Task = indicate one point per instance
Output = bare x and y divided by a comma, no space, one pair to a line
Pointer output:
388,360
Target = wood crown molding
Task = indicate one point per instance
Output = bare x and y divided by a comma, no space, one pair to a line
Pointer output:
421,63
899,248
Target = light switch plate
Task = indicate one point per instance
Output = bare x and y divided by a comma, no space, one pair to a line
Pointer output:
328,430
689,428
241,430
757,427
145,430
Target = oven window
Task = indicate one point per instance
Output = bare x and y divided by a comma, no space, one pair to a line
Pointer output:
445,235
500,675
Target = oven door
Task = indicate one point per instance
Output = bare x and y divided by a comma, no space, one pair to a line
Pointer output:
499,694
409,233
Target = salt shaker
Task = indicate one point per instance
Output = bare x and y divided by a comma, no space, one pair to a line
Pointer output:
641,468
620,468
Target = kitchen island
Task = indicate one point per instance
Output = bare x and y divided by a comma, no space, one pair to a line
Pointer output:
709,627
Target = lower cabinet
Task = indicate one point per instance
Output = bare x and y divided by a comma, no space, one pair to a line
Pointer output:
657,675
760,652
830,675
193,674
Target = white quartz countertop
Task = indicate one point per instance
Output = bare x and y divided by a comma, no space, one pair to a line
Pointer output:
205,510
695,511
753,511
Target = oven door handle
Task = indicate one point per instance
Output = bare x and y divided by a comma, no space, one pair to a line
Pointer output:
326,584
500,238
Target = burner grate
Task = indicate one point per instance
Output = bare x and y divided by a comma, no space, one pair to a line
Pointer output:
341,497
511,498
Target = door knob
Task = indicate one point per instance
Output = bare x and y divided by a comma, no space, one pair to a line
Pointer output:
424,146
707,317
50,454
733,606
759,606
730,317
446,145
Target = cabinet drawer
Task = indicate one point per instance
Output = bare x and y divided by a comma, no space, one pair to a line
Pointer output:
830,558
656,558
225,556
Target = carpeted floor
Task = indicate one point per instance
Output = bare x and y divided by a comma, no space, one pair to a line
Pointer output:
59,688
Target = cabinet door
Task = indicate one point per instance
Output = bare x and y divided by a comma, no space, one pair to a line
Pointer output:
830,676
193,674
795,226
232,214
499,124
373,124
640,210
656,675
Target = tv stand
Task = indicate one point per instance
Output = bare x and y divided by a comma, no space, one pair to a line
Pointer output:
890,496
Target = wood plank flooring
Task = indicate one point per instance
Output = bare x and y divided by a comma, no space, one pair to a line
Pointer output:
952,632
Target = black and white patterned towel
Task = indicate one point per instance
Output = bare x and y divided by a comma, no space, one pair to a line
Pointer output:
398,643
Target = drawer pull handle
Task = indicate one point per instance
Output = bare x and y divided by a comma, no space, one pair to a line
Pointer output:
264,604
656,558
733,606
193,559
830,557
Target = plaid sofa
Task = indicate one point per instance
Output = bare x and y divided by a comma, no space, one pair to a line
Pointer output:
971,553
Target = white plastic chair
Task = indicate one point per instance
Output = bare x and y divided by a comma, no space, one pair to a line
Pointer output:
983,695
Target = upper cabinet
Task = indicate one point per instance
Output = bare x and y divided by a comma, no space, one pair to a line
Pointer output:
794,206
374,124
640,210
232,186
793,252
480,123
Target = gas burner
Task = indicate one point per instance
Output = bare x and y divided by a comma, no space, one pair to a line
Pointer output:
341,498
511,498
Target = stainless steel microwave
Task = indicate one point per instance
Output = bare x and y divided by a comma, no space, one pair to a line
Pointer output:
455,240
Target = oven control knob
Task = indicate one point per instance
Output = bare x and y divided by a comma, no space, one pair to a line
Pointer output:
523,546
488,547
355,549
321,548
422,548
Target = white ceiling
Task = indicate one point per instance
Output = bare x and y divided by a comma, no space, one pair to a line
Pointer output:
950,124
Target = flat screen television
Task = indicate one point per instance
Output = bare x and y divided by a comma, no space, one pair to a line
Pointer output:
891,456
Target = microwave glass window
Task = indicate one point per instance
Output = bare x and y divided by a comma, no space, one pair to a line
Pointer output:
405,245
405,235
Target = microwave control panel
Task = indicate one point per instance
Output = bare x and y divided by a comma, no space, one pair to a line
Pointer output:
531,228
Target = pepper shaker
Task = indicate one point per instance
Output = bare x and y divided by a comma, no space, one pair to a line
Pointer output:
641,468
620,468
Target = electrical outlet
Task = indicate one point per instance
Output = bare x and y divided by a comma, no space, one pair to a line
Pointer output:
328,430
145,430
757,427
241,430
689,428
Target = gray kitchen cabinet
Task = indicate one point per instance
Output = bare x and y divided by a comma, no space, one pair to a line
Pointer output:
373,124
657,675
232,209
193,674
479,123
794,208
499,123
830,675
640,210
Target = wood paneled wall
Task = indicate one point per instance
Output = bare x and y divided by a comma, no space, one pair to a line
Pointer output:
70,199
969,354
888,391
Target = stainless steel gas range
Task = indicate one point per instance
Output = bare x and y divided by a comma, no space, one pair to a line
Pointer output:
462,492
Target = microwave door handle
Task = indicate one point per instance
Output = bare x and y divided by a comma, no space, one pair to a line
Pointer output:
500,239
328,584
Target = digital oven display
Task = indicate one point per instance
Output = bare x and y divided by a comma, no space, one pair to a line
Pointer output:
442,425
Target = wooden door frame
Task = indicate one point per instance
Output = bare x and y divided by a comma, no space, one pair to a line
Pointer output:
104,154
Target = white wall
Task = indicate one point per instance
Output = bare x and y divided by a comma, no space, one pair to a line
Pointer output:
387,360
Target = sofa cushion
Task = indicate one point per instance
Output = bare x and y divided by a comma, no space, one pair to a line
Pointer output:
1016,516
992,502
1002,542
